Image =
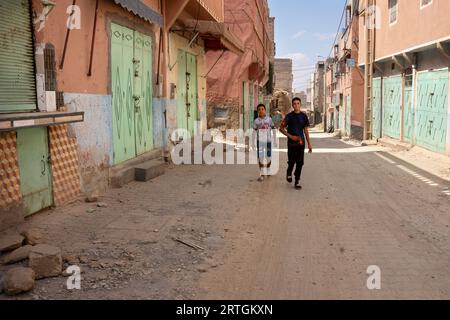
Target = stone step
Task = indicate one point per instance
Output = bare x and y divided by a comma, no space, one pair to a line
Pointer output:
149,170
124,173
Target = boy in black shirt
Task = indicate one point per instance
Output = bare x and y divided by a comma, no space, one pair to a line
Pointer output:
295,127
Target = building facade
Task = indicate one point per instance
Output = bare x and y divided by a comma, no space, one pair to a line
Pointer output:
237,81
408,91
88,91
344,80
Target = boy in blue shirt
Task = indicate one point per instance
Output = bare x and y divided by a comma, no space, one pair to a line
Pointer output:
295,127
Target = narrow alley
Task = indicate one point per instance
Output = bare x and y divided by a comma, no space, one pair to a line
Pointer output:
260,240
136,137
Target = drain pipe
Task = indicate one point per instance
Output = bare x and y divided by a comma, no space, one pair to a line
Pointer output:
93,40
61,65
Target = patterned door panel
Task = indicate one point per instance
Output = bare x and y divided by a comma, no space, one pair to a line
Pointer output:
408,114
376,108
143,94
432,110
122,93
392,105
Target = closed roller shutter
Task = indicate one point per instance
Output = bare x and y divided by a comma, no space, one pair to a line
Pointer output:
17,75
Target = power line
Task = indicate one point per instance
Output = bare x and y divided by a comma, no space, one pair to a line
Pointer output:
339,28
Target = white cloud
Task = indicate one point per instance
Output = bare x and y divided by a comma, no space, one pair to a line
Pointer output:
324,36
299,34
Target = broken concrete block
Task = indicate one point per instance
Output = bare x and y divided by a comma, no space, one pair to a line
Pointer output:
18,280
10,242
32,237
17,255
149,170
46,261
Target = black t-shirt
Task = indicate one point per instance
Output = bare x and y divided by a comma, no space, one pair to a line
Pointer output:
295,125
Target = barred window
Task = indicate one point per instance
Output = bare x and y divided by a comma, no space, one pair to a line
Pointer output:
393,11
424,3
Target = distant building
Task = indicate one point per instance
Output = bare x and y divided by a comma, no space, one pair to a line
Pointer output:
283,75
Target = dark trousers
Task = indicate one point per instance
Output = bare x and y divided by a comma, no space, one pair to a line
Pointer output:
296,156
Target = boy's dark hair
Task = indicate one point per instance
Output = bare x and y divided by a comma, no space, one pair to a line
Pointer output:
297,99
261,106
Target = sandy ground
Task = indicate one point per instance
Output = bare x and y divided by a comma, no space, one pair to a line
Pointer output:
360,206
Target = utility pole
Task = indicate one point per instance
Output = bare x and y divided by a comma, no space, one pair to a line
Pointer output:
370,17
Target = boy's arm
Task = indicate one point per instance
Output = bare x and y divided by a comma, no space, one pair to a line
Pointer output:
284,131
308,140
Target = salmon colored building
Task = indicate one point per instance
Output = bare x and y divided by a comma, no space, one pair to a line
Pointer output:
91,89
408,89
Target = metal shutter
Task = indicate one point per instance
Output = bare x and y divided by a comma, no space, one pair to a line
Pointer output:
17,75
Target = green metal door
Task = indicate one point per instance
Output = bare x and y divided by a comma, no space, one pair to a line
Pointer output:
408,117
132,94
192,93
182,117
17,76
376,108
35,175
348,115
392,106
187,101
432,110
341,117
143,93
122,75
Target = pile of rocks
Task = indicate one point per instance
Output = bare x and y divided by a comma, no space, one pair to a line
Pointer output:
44,261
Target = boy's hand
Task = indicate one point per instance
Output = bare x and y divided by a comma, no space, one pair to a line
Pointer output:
310,149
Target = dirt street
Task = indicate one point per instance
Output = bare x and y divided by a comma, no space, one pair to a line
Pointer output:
360,206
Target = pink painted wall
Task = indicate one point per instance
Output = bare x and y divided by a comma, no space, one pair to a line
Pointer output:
249,20
73,77
415,27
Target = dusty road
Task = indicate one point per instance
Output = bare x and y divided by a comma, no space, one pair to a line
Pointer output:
358,207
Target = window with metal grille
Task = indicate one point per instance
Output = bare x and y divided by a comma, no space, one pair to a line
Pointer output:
393,11
424,3
50,68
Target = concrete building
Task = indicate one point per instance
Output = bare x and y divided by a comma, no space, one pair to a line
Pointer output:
318,91
283,75
345,81
236,80
92,90
407,92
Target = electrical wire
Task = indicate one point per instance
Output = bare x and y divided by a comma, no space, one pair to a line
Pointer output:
339,28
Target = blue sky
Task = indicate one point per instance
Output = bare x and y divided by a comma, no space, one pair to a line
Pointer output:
305,29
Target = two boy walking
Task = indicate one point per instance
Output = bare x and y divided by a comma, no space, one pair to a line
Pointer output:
295,126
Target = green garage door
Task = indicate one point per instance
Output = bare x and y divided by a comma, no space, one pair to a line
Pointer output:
432,110
408,116
348,115
376,108
17,76
392,106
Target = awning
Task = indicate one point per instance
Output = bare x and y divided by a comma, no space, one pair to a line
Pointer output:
216,35
142,10
13,121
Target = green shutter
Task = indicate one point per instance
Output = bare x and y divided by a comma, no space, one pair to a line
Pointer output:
17,76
